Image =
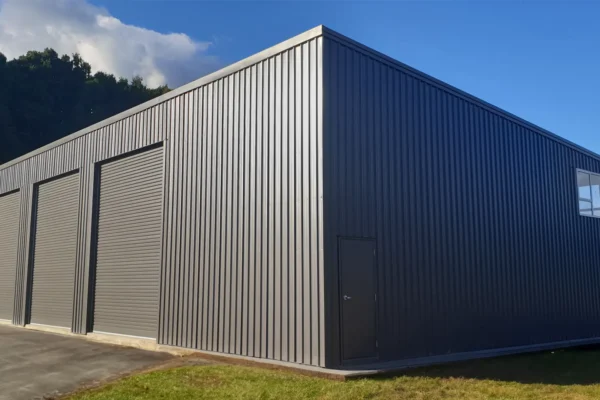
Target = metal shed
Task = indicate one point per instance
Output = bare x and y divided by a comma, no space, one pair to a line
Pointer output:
317,203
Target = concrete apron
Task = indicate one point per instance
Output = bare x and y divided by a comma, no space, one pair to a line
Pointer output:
389,368
151,345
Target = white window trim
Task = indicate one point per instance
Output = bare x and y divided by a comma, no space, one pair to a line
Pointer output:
577,170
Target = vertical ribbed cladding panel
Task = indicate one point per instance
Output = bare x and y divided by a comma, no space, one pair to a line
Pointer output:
242,260
243,208
480,243
20,301
9,239
86,182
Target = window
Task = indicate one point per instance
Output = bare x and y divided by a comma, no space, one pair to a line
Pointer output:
588,186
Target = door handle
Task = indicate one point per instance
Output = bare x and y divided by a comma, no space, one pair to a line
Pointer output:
347,297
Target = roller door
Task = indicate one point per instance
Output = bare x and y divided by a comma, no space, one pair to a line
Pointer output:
9,231
55,247
129,245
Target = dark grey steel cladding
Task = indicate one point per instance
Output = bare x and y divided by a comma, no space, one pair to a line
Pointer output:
242,254
24,238
267,163
243,258
479,239
100,143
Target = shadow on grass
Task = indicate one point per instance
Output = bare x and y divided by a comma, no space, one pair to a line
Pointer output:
576,366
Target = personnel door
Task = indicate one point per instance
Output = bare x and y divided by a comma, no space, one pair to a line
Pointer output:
358,299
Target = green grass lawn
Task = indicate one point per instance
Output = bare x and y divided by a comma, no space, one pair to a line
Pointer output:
571,374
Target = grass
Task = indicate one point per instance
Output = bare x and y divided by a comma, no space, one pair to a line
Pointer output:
564,375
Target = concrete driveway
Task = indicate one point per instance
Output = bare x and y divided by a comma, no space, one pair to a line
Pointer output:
38,364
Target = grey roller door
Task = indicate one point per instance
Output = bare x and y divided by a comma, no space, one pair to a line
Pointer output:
55,247
9,231
129,244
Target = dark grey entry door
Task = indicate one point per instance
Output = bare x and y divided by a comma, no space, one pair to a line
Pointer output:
358,301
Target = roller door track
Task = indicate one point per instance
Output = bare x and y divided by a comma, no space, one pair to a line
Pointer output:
55,247
129,245
9,231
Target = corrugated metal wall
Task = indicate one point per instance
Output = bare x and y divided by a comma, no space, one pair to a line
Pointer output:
137,131
243,257
22,277
480,242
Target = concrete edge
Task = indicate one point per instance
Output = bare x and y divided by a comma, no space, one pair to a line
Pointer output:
151,345
301,369
382,369
47,328
139,343
388,368
395,368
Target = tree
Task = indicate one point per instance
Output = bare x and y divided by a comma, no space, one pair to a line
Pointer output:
44,97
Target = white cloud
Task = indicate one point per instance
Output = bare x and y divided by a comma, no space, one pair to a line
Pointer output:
109,45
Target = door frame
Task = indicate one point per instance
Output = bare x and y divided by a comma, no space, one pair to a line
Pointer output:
17,239
93,234
31,240
357,361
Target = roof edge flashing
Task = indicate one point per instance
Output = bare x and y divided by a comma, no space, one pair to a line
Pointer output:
331,34
225,71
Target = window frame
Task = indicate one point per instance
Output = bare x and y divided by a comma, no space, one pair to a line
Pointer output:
591,199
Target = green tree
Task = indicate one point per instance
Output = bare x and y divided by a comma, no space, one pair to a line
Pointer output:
44,97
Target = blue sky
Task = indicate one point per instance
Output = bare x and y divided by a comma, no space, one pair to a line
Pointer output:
537,59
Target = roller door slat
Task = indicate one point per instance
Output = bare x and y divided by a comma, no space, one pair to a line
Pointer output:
9,231
124,185
55,251
142,218
126,239
115,304
142,159
129,245
126,191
